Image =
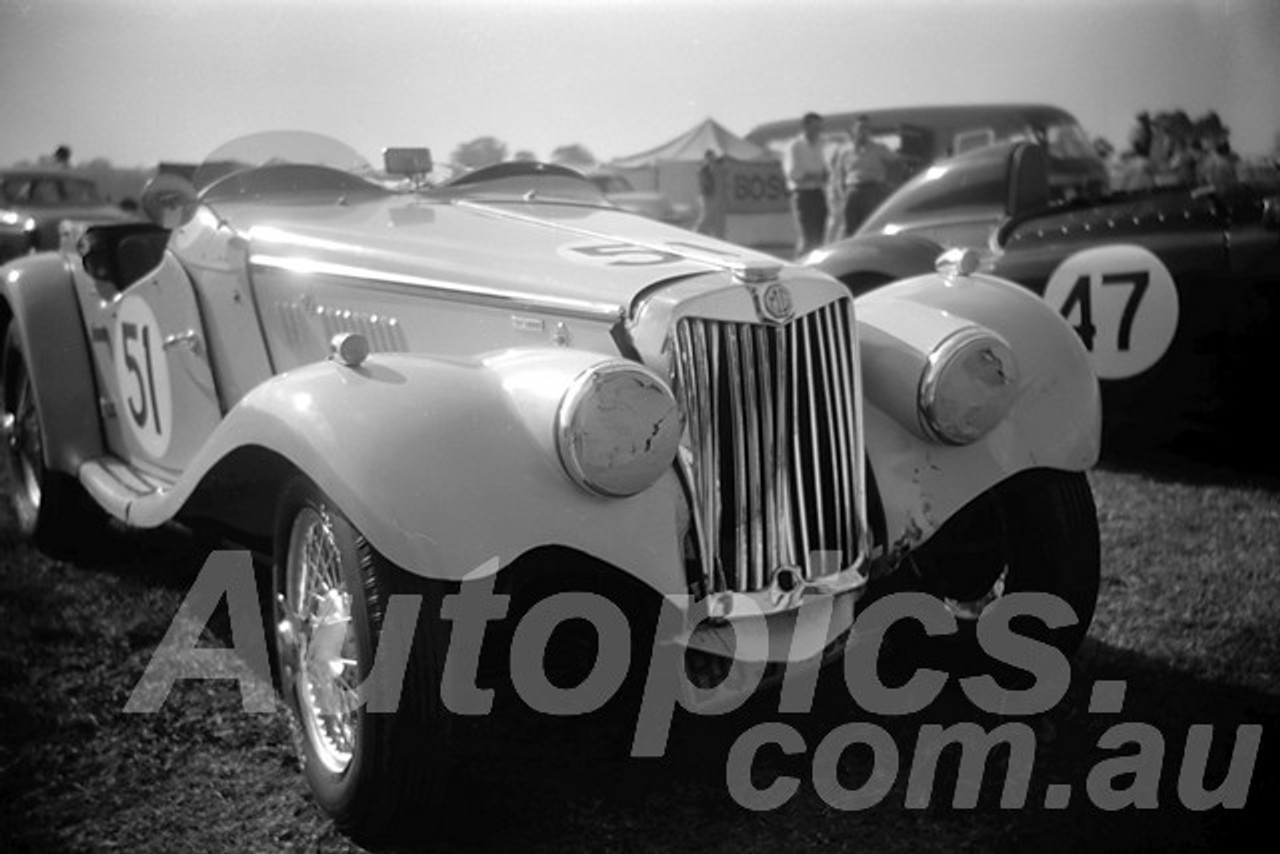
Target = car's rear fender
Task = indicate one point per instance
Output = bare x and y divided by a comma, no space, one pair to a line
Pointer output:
1054,422
39,299
445,465
876,257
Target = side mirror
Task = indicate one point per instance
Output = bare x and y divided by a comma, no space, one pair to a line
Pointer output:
169,201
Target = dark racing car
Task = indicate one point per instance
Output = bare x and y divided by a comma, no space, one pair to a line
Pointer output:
1174,291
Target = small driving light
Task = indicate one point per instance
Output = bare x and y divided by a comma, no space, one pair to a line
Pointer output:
617,429
349,349
968,386
958,262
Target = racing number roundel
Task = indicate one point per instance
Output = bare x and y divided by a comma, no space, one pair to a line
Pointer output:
1122,302
142,376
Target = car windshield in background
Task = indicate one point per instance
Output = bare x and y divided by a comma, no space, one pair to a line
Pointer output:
1064,140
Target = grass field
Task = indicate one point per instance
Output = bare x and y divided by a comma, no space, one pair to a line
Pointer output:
1189,619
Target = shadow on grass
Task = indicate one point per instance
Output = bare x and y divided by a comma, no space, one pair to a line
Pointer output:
530,782
535,782
1206,459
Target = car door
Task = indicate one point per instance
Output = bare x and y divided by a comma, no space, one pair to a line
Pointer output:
161,389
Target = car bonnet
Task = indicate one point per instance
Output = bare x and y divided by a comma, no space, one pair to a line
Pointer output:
569,253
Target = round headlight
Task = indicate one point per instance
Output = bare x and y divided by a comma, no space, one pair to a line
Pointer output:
968,386
617,429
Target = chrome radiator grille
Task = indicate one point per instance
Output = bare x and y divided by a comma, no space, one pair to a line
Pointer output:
772,427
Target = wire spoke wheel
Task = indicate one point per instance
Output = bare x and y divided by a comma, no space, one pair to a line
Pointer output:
377,771
24,446
324,646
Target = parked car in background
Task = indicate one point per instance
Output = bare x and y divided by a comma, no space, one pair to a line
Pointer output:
396,392
1175,292
924,135
618,190
34,201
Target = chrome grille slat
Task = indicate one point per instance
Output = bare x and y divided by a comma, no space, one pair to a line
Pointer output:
713,348
818,508
835,406
845,401
797,456
695,420
742,528
772,425
754,483
765,374
709,458
782,462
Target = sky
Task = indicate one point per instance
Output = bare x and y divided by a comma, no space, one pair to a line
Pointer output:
140,81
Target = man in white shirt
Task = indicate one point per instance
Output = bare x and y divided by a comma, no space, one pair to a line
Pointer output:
807,174
862,175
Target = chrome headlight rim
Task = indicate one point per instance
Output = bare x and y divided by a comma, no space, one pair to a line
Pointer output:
569,433
947,357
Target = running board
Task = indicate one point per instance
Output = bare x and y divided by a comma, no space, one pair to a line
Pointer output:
115,485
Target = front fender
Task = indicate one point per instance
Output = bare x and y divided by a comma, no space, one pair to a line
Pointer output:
1055,420
39,294
445,465
872,257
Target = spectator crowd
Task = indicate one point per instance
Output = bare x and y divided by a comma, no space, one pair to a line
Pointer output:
1169,149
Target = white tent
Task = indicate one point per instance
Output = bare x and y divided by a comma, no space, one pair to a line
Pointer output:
693,144
758,212
672,168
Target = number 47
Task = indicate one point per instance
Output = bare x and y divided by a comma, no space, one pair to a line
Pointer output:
1081,296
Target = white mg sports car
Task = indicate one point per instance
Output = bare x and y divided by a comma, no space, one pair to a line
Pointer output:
383,384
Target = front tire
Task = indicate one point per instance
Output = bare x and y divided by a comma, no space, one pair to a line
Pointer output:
379,775
50,507
1037,532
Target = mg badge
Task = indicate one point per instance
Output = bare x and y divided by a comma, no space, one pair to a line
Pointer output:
775,304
